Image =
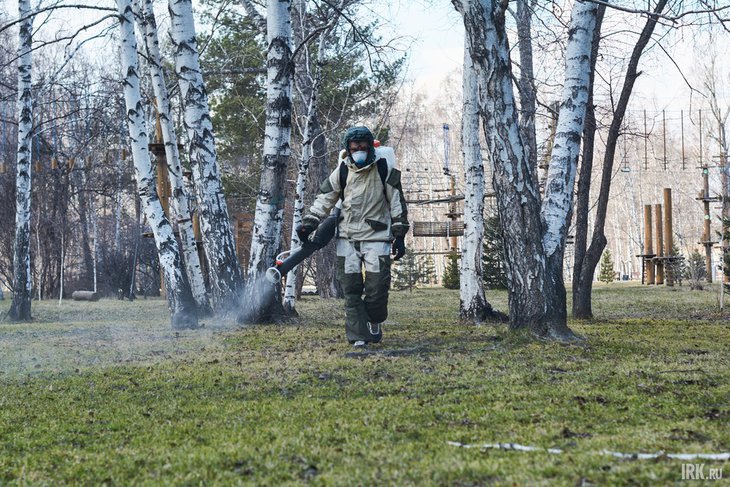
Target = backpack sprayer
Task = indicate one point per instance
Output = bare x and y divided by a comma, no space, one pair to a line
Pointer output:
289,259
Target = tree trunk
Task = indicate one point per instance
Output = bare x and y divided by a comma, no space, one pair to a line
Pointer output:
473,303
20,306
526,85
78,179
180,206
226,278
269,216
558,203
512,172
583,286
308,81
325,259
277,137
301,103
534,237
290,290
583,193
179,296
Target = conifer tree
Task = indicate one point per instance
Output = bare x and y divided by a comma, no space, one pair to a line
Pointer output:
493,265
451,275
428,270
407,272
607,273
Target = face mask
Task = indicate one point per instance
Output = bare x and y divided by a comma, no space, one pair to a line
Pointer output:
359,157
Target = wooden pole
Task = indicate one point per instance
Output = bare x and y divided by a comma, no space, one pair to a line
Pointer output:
163,183
648,246
659,244
668,235
199,244
707,237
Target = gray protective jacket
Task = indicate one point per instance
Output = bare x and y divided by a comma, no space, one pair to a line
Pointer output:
368,213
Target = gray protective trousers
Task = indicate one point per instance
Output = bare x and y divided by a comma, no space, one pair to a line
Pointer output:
373,307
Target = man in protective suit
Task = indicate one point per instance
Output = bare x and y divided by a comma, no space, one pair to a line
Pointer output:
373,219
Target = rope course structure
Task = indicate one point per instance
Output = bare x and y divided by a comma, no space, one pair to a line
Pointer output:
452,228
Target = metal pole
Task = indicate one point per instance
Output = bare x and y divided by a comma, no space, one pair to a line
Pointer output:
453,214
701,162
681,118
447,148
664,137
646,145
723,236
659,244
648,246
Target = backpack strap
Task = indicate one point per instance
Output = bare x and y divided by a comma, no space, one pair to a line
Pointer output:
383,172
343,179
382,165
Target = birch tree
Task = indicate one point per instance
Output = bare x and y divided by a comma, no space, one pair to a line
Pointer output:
226,278
179,296
557,206
20,306
179,197
269,215
307,84
312,131
533,237
586,260
474,305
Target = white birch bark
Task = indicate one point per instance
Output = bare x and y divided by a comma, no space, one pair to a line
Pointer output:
308,135
20,306
290,290
558,202
226,278
537,292
268,220
179,296
518,198
473,306
180,206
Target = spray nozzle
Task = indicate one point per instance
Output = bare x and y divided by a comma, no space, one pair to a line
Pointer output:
273,275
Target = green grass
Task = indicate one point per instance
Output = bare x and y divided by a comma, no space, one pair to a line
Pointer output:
94,393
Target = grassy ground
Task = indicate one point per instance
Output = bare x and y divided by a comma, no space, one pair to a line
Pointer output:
94,393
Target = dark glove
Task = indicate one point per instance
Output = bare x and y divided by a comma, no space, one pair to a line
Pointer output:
399,248
304,230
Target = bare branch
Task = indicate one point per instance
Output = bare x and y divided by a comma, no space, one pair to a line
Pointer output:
54,7
311,36
234,72
657,16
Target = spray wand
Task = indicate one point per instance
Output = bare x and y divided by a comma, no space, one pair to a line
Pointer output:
289,259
